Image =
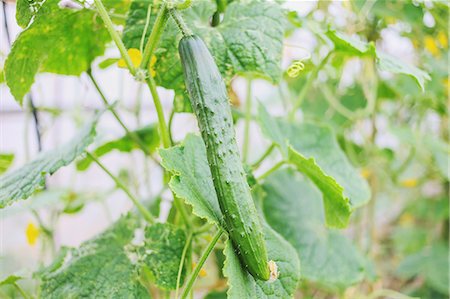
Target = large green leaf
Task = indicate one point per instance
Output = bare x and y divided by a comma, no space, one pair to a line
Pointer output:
191,177
148,135
431,263
352,46
292,206
247,41
192,182
314,150
61,41
99,268
164,247
23,182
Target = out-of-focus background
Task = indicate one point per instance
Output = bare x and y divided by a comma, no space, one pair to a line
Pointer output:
65,103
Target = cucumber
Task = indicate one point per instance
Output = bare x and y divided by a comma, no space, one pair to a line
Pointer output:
210,103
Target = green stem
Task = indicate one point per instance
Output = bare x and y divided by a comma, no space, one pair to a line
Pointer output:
180,268
144,32
248,116
184,5
334,102
159,111
271,170
307,86
21,291
264,156
200,264
158,27
172,114
114,35
181,207
181,24
132,134
145,213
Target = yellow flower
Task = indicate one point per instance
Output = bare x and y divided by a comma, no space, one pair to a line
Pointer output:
443,40
202,272
365,173
430,45
32,233
409,183
136,58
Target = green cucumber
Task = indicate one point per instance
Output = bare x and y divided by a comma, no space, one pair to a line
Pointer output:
210,103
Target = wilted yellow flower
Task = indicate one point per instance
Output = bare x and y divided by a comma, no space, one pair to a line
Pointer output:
443,40
430,45
32,233
202,272
409,183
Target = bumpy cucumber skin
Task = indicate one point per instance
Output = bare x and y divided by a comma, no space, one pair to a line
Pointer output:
210,103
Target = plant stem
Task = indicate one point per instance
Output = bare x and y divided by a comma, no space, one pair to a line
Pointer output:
180,268
271,170
145,213
307,86
144,32
181,24
158,27
264,156
21,291
248,116
159,110
172,114
200,264
114,35
181,207
184,5
132,134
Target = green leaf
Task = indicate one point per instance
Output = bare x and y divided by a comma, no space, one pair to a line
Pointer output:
431,263
348,44
216,295
337,206
11,279
192,181
243,285
394,65
314,150
247,41
61,41
164,244
23,182
5,162
293,208
99,268
352,46
148,135
107,63
25,10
